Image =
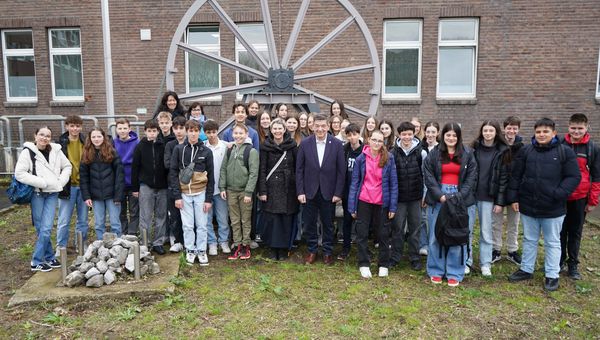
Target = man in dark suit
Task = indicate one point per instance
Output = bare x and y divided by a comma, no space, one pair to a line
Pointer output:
320,171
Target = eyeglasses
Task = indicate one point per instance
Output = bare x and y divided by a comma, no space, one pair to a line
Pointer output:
378,141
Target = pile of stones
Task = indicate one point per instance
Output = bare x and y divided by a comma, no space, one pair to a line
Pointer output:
109,259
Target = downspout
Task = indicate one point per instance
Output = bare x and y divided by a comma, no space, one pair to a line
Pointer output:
108,78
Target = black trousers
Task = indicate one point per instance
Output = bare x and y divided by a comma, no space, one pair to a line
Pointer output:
408,213
174,221
314,208
372,216
570,235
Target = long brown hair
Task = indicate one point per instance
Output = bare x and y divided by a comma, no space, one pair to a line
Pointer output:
107,152
383,152
296,136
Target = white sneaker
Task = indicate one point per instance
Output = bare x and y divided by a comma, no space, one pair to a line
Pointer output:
383,272
202,258
176,248
172,240
225,248
423,251
365,272
486,271
212,249
467,269
190,257
57,254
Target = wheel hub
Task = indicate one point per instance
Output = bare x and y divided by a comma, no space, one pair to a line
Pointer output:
281,80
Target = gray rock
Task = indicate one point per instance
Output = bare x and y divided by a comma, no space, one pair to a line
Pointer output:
144,270
78,261
94,260
130,238
154,268
103,253
109,239
85,267
143,249
97,244
123,256
115,250
127,244
90,253
109,277
113,263
145,255
71,269
74,279
95,281
92,272
102,267
117,242
119,270
129,263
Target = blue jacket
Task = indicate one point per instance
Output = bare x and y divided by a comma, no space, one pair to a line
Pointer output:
389,185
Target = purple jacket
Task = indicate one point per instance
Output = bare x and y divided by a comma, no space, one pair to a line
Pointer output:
125,151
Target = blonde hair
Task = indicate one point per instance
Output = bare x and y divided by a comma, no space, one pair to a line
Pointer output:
164,115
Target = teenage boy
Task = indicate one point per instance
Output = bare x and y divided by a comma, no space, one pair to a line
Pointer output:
408,155
174,216
219,208
71,143
165,123
240,114
544,174
194,199
125,144
149,184
512,125
585,197
352,149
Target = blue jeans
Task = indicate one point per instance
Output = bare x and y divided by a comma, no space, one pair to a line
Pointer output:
65,211
550,228
43,209
193,219
486,237
219,209
449,264
114,211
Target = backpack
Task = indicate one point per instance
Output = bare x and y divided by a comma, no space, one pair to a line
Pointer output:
19,193
246,156
452,224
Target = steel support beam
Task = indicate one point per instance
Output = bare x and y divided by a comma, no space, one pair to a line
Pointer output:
287,54
223,61
223,90
334,72
266,14
324,99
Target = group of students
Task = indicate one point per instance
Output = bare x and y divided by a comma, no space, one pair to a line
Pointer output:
392,185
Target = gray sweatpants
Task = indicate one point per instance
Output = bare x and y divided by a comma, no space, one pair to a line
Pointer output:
512,229
153,202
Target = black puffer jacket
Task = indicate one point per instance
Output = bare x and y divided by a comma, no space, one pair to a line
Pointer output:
500,172
432,174
149,169
63,140
101,181
409,171
281,186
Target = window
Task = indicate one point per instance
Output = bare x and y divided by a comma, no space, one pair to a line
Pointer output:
65,58
457,58
256,36
19,66
402,58
203,74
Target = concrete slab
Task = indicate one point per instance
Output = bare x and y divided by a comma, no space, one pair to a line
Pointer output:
48,286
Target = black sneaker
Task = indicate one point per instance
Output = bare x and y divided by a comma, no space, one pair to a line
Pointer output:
416,265
42,267
160,250
54,263
496,256
551,284
573,272
514,257
520,275
343,256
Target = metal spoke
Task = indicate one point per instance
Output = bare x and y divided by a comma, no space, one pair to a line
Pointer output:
313,51
235,30
287,54
334,72
223,90
327,100
223,61
264,5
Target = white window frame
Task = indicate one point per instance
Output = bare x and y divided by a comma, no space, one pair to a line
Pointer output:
208,48
396,45
598,79
65,51
459,43
240,48
24,52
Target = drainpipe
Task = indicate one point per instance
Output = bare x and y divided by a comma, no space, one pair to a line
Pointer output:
108,78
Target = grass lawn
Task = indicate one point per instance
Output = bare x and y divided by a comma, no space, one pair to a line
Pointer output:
259,298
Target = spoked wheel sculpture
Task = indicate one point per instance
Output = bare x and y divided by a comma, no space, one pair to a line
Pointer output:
275,80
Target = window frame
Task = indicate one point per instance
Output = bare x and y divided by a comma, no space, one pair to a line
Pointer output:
262,47
398,45
52,51
29,52
598,78
209,48
449,44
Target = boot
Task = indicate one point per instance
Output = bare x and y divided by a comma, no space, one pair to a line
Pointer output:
573,272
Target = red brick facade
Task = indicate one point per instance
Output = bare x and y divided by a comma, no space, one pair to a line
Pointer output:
535,58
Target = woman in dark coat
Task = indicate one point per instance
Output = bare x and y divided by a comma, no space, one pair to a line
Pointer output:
278,191
170,103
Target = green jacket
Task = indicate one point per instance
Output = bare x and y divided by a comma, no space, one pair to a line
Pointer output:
234,175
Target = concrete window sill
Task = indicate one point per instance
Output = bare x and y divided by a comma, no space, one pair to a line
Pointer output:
401,102
456,101
57,103
21,104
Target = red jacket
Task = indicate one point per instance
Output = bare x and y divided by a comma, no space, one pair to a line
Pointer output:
590,173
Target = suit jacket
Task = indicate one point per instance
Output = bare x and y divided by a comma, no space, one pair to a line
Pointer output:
329,177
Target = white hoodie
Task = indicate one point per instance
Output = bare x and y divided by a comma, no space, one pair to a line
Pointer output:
51,175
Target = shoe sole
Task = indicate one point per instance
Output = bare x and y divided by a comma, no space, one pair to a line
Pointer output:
496,259
204,264
55,267
436,282
41,270
453,284
244,258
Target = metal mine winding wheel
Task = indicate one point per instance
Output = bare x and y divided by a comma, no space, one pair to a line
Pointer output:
276,80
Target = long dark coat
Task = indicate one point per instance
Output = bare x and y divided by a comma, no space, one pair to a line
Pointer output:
281,186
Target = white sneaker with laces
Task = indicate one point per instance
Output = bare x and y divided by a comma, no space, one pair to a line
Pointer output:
190,258
202,258
365,272
383,272
423,251
486,271
212,249
176,248
225,248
